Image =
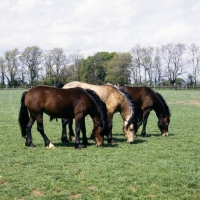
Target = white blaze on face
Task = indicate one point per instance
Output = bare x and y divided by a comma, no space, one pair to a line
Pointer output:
165,134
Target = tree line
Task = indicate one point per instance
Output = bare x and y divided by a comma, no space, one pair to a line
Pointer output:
168,64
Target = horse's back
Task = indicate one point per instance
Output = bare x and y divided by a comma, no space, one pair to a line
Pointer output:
53,100
144,96
109,94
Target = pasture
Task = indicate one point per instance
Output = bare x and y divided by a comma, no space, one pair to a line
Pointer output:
152,168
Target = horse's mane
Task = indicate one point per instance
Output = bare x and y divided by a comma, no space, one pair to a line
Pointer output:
164,104
102,107
133,118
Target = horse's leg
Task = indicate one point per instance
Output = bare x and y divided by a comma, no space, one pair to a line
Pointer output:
110,126
83,130
78,123
40,128
64,131
71,132
145,118
28,132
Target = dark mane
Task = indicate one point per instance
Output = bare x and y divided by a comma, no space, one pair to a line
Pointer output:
102,107
133,118
164,104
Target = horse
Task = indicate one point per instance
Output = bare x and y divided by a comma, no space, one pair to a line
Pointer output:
116,100
58,103
148,100
65,121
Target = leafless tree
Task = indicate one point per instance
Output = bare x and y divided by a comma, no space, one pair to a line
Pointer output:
2,71
195,60
72,72
147,62
157,63
59,60
48,63
172,54
12,66
137,55
32,58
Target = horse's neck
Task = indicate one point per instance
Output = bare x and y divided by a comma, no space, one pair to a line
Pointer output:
159,110
125,110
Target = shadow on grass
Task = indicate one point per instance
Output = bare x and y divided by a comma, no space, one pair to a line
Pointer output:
159,135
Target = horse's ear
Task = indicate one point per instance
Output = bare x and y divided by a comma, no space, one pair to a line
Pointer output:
59,84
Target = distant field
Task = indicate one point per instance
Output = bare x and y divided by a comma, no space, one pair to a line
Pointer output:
152,168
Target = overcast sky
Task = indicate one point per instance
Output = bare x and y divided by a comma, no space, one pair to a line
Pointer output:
97,25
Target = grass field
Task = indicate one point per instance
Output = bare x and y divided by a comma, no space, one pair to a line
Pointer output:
152,168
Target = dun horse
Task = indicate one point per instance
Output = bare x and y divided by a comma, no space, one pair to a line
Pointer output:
116,100
58,103
147,100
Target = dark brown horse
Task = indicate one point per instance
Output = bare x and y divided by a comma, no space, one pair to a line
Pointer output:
147,100
58,103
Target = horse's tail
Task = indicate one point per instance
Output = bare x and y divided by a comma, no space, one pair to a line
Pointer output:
23,116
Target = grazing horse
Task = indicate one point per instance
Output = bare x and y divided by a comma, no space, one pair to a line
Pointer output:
116,100
58,103
147,100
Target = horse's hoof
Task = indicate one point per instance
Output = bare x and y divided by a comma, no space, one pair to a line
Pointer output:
99,145
113,142
145,135
30,145
51,146
78,146
85,144
109,140
65,140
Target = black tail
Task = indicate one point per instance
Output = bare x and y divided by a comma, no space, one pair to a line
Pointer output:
23,116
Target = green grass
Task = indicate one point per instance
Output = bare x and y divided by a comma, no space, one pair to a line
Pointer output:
152,168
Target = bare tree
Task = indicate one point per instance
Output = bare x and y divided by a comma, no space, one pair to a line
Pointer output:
137,55
72,72
2,71
173,57
49,63
59,60
147,62
32,57
195,60
12,66
157,63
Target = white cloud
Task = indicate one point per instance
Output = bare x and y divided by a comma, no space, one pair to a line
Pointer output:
96,25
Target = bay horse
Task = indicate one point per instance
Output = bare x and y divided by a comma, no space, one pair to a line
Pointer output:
116,100
58,103
148,100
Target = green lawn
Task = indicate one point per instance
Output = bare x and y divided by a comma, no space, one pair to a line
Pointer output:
152,168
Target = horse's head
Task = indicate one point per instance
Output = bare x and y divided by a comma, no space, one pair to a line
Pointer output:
163,124
129,131
97,132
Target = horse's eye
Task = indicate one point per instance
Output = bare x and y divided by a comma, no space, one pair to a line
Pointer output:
131,129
